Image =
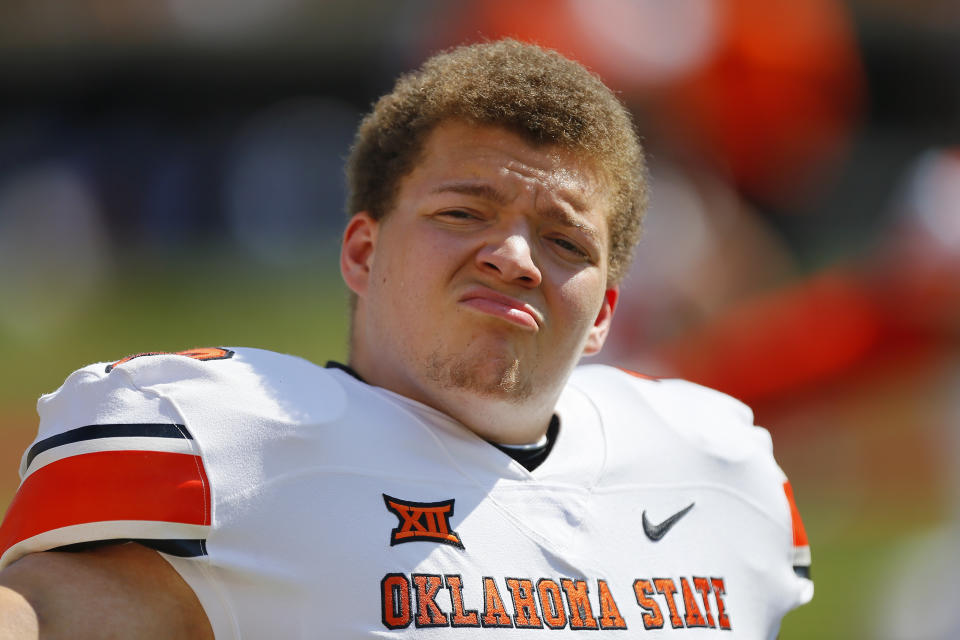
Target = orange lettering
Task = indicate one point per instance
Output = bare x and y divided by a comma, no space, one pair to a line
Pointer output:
459,617
422,521
494,613
428,613
652,616
703,586
524,604
551,604
669,589
719,590
581,615
693,618
610,617
395,601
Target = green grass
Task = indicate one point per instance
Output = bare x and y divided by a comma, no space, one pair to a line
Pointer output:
161,306
210,303
852,563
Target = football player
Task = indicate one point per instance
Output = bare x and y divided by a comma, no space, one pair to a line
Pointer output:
459,477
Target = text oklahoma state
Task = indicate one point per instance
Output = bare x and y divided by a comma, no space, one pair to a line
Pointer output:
434,600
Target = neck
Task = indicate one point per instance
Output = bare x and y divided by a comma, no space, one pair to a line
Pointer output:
498,419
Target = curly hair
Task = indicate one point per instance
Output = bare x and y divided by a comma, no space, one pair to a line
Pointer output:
537,93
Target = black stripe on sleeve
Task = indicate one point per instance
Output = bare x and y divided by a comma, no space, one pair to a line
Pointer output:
95,431
181,548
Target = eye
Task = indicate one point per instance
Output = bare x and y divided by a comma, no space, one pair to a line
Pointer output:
569,247
458,214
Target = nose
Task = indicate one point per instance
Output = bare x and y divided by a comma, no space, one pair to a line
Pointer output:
510,259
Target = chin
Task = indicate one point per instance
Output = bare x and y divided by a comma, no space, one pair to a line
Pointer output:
500,378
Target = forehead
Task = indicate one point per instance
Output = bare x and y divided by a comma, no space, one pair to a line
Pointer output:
458,151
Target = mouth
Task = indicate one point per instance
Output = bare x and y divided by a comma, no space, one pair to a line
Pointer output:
493,303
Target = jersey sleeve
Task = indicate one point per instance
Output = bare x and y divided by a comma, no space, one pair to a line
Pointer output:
722,429
800,545
111,463
733,437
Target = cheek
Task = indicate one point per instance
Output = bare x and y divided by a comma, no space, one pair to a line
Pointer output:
579,300
408,273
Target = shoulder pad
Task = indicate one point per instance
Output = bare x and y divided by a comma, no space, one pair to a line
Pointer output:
110,463
709,419
118,453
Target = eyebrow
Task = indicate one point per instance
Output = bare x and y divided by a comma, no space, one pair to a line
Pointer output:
481,190
564,218
488,192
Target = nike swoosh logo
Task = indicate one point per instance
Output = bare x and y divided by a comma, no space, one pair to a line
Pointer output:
657,531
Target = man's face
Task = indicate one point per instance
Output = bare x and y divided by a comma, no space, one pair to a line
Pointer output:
488,275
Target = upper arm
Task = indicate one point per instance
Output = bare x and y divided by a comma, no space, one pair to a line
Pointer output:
113,591
111,462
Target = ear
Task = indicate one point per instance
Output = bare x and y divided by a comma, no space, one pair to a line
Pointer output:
601,326
356,251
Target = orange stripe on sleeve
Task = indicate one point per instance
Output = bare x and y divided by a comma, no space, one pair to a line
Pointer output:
799,533
636,374
105,486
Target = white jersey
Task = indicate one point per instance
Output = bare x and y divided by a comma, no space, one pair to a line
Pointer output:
299,502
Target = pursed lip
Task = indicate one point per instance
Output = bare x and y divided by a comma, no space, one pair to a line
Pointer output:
492,302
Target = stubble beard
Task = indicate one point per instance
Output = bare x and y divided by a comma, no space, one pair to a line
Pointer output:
495,378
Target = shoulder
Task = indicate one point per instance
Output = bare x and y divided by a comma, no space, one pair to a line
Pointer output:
623,381
199,392
194,366
706,418
124,449
686,433
162,386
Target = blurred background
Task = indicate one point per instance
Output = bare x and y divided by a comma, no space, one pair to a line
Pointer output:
171,177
